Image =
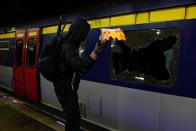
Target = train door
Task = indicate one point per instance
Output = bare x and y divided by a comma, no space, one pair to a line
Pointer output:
25,76
18,69
31,62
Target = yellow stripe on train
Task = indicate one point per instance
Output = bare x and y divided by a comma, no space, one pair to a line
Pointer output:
145,17
53,29
7,35
161,15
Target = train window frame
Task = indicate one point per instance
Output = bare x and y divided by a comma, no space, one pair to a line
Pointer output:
28,63
4,51
19,62
142,78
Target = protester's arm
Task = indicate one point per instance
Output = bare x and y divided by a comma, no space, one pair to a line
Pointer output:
71,58
83,65
98,49
94,56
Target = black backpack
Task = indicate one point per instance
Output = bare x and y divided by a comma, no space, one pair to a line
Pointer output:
48,60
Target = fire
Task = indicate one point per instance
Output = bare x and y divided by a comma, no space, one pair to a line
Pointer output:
113,33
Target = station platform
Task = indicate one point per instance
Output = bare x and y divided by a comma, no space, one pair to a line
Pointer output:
17,114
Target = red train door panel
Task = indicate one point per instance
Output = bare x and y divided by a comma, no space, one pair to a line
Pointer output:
18,69
31,64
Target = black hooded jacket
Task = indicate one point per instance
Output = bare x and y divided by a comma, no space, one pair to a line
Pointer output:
70,64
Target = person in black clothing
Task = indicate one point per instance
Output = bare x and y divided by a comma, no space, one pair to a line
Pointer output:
70,66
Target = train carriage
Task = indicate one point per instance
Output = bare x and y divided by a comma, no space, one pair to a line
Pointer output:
136,87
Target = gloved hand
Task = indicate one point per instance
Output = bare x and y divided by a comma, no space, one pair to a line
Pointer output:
99,46
101,43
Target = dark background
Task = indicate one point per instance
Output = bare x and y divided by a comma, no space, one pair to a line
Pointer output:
20,12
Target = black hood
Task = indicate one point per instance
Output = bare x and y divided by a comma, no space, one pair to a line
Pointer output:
78,31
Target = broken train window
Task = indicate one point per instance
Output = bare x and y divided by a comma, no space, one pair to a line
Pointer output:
146,56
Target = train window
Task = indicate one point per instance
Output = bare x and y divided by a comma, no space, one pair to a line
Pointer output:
18,55
4,48
146,56
4,45
31,52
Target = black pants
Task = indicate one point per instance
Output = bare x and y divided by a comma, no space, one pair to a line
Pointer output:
68,99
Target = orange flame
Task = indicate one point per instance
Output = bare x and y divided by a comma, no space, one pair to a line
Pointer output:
113,33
